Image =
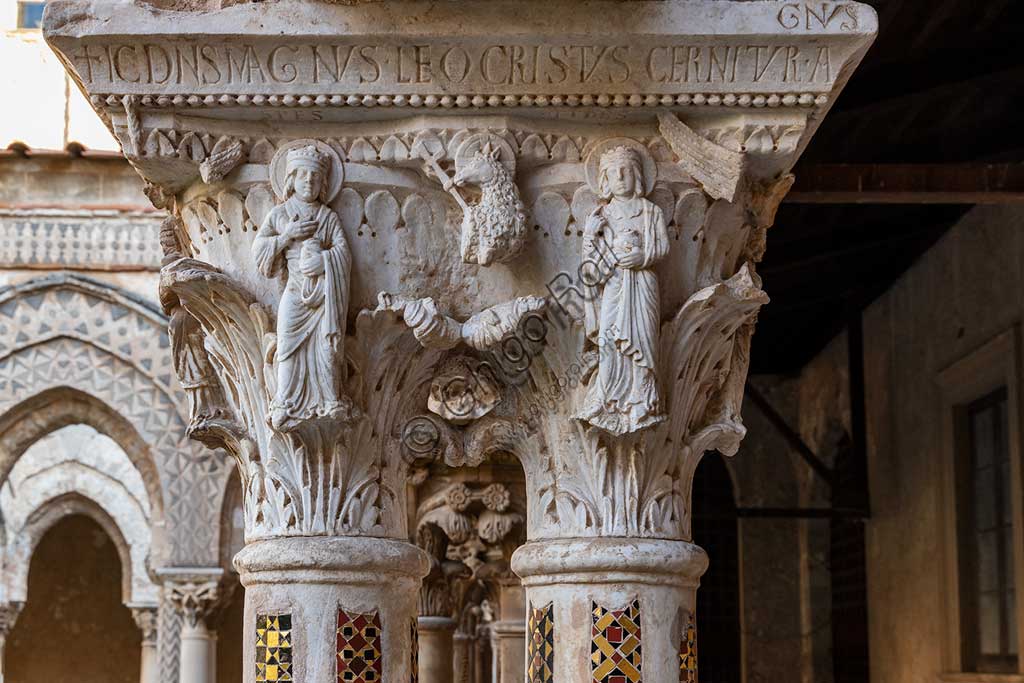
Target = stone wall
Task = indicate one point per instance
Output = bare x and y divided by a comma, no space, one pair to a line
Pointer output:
784,580
88,214
962,293
84,343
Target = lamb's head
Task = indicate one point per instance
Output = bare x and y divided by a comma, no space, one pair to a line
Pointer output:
482,168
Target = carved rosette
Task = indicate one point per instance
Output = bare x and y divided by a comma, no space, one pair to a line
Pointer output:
470,531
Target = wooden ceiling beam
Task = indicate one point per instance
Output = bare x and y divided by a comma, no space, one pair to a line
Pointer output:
908,184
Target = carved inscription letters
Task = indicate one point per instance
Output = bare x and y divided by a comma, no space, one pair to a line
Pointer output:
498,68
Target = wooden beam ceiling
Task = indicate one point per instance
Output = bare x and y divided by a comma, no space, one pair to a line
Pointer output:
908,184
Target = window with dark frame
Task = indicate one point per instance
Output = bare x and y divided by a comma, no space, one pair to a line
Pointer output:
30,14
987,577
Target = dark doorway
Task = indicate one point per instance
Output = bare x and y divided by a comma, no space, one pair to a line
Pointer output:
718,606
74,627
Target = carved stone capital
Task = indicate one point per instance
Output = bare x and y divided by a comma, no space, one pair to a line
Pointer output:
194,594
148,620
573,282
566,236
469,530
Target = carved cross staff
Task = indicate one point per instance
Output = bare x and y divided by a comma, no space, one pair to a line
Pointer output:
431,158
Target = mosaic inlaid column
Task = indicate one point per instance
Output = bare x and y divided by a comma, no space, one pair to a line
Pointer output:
417,232
147,619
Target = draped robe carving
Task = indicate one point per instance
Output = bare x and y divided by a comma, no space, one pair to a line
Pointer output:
311,318
624,238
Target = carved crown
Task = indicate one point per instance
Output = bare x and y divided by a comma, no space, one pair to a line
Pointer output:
310,157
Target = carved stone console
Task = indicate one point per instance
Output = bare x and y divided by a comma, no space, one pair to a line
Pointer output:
415,230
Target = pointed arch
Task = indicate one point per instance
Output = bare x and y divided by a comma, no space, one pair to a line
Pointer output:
136,587
74,350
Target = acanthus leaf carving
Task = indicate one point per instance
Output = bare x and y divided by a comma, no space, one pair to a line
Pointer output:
147,619
323,478
195,600
638,485
304,478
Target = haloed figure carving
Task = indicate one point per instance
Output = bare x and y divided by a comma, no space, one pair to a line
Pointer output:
305,236
627,234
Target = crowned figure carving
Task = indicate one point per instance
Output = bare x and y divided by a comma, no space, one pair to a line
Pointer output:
618,360
624,237
302,239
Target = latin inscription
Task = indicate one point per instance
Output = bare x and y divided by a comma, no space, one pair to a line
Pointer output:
813,16
440,67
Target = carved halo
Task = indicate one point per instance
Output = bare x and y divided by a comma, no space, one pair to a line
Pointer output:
598,149
279,166
476,142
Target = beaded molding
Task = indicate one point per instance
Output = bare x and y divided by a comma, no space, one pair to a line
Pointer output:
772,100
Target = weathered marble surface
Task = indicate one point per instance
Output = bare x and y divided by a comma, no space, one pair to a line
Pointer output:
619,163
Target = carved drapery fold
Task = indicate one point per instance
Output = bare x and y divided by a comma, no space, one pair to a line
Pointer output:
567,254
323,480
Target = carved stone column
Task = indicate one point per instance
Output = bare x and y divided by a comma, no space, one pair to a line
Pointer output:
445,230
508,634
147,619
436,649
9,612
469,527
196,595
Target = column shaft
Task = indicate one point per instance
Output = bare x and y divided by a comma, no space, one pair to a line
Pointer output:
8,616
317,607
508,651
147,619
608,607
150,669
198,654
462,648
436,649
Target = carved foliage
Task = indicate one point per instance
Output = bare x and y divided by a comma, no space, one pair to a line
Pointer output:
467,530
194,600
596,484
325,479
